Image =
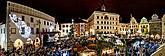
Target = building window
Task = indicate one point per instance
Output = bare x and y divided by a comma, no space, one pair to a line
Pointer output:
113,18
107,22
43,30
37,30
116,18
110,27
116,23
44,22
63,26
97,17
104,22
110,18
32,30
23,18
47,23
1,30
107,27
101,17
13,31
106,17
97,22
101,22
67,26
63,30
31,19
101,27
97,27
104,27
23,30
110,23
66,31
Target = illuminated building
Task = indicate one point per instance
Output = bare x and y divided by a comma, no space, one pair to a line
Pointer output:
129,28
79,29
65,29
3,39
163,25
133,26
23,22
155,25
123,28
144,26
103,22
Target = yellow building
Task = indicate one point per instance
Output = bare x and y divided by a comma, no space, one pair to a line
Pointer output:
123,28
133,26
144,26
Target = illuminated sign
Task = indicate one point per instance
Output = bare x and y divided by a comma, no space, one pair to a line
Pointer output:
24,30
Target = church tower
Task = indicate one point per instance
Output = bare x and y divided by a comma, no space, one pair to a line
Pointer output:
103,8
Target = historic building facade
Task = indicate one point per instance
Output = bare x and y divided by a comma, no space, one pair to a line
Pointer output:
3,38
104,22
123,28
65,28
24,23
79,29
133,26
155,25
144,26
163,25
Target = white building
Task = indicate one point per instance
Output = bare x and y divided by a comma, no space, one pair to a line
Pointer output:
104,22
3,39
65,28
23,22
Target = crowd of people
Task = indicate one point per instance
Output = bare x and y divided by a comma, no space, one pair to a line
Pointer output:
142,48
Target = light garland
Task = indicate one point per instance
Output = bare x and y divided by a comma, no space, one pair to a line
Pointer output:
20,25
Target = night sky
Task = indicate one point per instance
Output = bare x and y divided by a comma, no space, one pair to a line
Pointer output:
64,10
